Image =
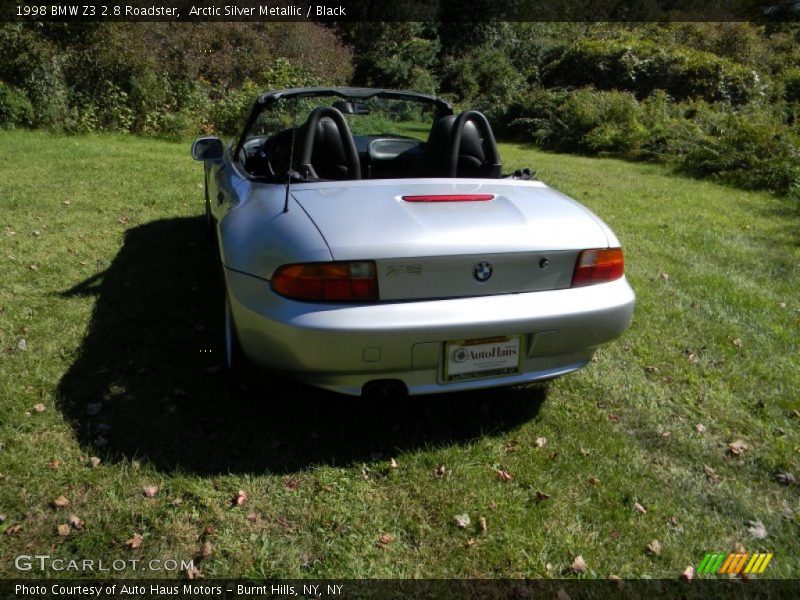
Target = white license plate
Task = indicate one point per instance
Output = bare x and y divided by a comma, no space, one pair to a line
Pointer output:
486,357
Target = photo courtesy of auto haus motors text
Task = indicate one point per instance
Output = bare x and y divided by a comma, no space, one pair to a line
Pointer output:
182,590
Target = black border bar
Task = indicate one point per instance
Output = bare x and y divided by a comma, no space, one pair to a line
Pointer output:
331,11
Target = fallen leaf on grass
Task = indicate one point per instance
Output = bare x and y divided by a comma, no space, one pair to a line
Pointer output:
673,521
503,475
541,496
690,356
784,478
239,499
60,502
440,471
651,369
700,428
483,525
688,573
150,491
737,448
176,502
584,452
193,573
66,202
206,549
94,462
384,540
654,548
54,464
13,529
462,520
541,442
756,529
75,522
292,484
492,506
134,542
593,480
639,508
284,522
22,344
578,565
39,408
613,418
664,276
63,530
737,342
470,543
711,474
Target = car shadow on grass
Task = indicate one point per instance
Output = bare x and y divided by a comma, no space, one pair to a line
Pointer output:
148,383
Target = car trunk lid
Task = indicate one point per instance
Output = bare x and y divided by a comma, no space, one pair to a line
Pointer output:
523,237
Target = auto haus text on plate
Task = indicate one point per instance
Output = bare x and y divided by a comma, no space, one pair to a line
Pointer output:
97,590
265,10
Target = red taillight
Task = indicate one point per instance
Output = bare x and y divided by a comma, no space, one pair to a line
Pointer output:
598,266
449,198
328,282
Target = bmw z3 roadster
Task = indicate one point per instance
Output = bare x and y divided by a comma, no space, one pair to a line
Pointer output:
371,244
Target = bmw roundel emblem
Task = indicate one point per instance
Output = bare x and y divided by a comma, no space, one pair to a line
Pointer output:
482,271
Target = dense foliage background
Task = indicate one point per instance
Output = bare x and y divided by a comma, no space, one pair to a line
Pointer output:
715,99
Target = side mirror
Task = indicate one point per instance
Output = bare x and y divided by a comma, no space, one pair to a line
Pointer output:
207,148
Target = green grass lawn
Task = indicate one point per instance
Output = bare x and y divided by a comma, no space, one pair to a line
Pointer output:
106,276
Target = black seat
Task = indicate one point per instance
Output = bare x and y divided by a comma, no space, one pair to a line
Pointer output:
328,150
462,146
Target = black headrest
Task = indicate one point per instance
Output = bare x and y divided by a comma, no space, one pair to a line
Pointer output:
328,156
432,162
328,150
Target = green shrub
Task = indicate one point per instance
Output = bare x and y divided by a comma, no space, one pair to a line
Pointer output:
641,66
751,149
791,85
227,115
15,108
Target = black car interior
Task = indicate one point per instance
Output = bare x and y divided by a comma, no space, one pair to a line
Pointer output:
323,148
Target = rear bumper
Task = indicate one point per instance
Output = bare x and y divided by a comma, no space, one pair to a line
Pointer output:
342,347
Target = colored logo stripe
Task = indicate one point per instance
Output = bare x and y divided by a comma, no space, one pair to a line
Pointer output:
734,563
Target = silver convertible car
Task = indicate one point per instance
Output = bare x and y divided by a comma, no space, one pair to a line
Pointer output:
371,244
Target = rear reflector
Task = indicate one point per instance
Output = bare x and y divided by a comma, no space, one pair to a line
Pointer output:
328,282
449,198
598,266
